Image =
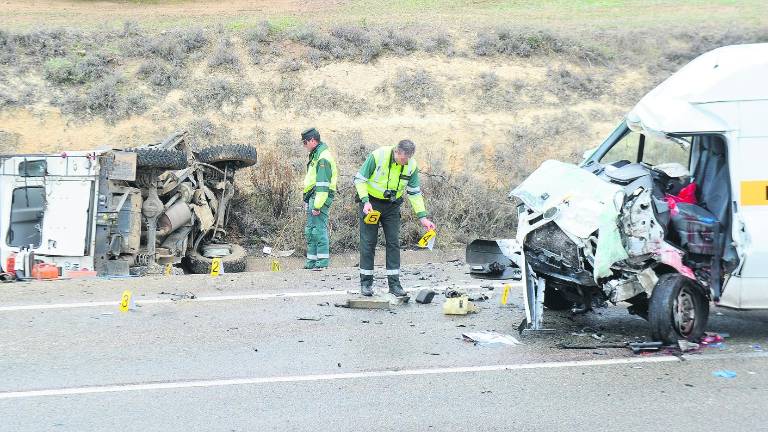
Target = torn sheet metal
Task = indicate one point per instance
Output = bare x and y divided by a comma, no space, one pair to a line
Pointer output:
586,203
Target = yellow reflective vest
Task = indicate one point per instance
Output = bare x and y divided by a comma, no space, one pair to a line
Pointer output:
380,173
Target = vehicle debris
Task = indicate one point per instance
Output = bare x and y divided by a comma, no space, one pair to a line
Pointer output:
367,303
640,347
309,318
686,346
724,373
486,338
458,306
591,347
425,296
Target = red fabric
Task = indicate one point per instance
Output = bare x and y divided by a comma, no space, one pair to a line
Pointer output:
687,195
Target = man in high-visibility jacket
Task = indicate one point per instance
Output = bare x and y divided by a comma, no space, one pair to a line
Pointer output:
386,175
319,190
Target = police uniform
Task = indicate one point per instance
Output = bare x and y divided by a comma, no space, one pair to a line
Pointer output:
383,182
319,191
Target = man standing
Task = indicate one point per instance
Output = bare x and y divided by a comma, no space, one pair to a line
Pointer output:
319,189
386,175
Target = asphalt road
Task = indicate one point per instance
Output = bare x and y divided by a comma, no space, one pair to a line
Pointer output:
269,351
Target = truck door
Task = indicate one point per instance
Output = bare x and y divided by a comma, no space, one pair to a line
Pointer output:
67,217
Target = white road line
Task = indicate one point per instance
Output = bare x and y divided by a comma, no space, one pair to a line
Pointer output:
359,375
140,302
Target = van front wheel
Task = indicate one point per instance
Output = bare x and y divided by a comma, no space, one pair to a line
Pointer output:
678,309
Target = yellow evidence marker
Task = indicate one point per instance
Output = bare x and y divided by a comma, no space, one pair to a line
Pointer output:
216,267
275,266
168,269
505,294
372,218
125,301
428,241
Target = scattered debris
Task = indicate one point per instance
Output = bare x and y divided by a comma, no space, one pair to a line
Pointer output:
724,373
757,347
278,254
598,336
255,350
425,296
458,306
324,304
686,346
591,347
310,318
365,321
431,353
490,338
638,347
711,338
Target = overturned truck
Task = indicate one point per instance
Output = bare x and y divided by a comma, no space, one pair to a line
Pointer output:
121,212
667,215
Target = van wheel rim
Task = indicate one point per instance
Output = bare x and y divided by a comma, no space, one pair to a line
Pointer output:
685,312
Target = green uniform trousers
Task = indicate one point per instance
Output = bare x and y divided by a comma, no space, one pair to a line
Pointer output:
390,223
316,232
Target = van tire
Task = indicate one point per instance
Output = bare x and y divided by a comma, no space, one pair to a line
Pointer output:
240,155
678,309
233,263
167,159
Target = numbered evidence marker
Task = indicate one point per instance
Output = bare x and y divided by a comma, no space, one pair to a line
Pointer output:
275,266
505,293
372,218
428,241
126,301
216,267
168,269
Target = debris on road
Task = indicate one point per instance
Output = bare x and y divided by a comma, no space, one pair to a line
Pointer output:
425,296
591,347
724,374
458,306
309,318
686,346
638,347
711,338
490,338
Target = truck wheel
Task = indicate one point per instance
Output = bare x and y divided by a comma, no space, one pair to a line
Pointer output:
239,155
168,159
678,309
232,263
555,300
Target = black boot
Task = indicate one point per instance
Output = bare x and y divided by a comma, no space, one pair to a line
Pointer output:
394,286
366,285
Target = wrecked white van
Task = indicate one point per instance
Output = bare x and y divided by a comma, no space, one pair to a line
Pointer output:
668,214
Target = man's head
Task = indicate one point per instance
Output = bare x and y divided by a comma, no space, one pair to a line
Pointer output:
404,151
310,138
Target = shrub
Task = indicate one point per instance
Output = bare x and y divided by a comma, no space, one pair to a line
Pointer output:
107,98
223,57
60,70
493,94
566,82
440,43
217,92
160,74
398,41
45,43
64,70
417,88
290,65
260,33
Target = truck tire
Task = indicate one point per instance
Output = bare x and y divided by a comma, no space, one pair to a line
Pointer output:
240,155
555,300
678,309
232,263
167,159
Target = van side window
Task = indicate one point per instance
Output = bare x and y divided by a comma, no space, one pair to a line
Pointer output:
624,150
27,210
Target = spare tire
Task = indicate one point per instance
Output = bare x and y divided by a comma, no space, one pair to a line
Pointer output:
232,263
168,159
240,155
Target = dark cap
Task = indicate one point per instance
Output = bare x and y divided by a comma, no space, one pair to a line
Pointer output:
309,134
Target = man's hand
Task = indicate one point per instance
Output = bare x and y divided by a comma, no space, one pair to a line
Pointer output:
428,224
367,207
315,212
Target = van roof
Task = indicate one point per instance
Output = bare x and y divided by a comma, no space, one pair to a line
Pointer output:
690,100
